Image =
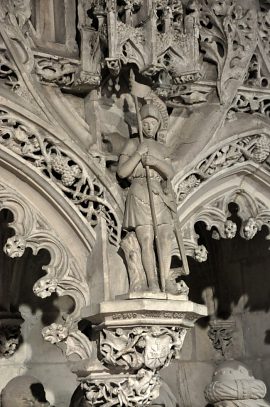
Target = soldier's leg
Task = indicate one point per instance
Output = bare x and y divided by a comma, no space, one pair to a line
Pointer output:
166,236
145,236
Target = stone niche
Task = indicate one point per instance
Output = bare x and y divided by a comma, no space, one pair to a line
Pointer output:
81,310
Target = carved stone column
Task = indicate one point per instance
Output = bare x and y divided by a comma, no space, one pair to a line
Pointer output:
137,335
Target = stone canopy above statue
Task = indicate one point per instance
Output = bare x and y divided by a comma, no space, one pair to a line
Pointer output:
134,134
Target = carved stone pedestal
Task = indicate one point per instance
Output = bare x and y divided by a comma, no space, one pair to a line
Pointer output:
137,335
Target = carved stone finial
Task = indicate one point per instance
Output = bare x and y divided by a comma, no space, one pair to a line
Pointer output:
24,391
234,385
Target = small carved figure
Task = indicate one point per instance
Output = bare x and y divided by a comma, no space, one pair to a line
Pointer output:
24,391
178,13
138,217
192,18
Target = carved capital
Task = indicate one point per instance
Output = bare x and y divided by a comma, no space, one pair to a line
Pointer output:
137,337
141,347
221,333
10,334
133,390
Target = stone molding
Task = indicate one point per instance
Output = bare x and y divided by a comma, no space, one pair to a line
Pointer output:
62,274
59,167
137,336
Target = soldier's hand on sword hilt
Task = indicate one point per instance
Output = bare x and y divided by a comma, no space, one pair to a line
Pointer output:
142,149
148,160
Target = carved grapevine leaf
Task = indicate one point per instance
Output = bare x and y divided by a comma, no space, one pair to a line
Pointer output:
81,188
228,39
252,148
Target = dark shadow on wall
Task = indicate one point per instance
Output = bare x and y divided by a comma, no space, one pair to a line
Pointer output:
237,270
17,278
267,337
19,274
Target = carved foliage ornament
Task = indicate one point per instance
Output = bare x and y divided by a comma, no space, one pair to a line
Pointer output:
136,390
251,103
250,148
142,352
58,166
19,10
65,73
74,340
215,214
152,348
63,276
264,24
58,71
221,333
8,74
228,38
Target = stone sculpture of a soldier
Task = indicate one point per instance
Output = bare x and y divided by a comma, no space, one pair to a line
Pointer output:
138,157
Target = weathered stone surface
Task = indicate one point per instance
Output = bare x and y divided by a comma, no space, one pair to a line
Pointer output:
81,84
